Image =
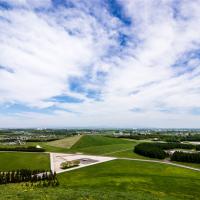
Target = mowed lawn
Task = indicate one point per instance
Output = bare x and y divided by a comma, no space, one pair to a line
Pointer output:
23,160
101,145
119,180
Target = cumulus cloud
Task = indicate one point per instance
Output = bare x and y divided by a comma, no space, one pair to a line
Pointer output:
125,63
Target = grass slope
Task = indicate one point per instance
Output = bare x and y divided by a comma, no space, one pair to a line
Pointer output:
119,180
97,140
99,145
66,142
102,145
18,160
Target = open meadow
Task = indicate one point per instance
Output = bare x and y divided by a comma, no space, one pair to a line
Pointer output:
21,160
118,179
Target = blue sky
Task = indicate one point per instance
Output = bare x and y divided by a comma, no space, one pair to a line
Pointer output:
100,63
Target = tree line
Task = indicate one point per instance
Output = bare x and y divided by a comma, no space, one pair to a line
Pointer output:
165,137
173,145
198,147
150,150
25,149
157,150
27,175
42,139
185,157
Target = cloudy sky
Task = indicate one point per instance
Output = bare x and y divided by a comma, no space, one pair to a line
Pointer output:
100,63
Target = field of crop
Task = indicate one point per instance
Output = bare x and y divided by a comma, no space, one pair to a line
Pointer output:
21,160
118,179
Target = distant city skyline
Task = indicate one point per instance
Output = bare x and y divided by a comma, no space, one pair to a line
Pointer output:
101,63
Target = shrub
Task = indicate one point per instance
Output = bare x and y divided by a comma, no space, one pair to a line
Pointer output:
26,175
69,164
25,149
156,150
150,150
198,147
186,157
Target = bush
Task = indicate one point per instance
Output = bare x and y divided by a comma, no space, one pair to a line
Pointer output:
174,145
26,175
69,164
25,149
186,157
156,150
198,147
150,150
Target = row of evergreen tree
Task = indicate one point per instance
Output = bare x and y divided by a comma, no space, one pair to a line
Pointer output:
27,175
165,137
186,157
198,147
25,149
173,145
150,150
157,150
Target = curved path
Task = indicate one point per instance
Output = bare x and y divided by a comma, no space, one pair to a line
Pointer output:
162,162
154,161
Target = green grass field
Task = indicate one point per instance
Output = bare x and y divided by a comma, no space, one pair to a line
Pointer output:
101,145
118,179
116,147
195,165
97,140
67,142
97,145
19,160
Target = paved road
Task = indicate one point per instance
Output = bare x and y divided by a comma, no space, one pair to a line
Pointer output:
162,162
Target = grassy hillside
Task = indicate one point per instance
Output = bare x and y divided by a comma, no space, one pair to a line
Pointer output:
18,160
119,180
116,147
97,140
101,145
67,142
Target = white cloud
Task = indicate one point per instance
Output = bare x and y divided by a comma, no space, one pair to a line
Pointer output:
43,55
28,3
42,50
